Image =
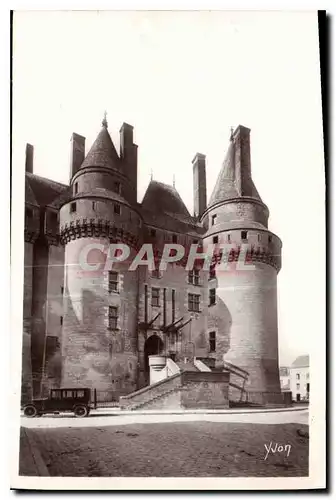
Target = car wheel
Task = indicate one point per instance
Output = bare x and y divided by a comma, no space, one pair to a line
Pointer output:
81,411
30,411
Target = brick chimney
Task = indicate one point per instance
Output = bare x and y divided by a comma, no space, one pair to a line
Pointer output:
199,184
129,155
242,159
77,153
29,158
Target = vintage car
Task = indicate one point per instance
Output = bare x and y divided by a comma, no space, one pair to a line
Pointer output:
76,400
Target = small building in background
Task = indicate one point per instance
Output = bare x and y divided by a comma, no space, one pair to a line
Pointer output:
299,378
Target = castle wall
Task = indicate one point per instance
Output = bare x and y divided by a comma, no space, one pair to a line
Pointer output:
251,298
92,354
26,371
54,318
193,339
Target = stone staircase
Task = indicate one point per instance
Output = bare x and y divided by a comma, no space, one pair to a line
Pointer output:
192,385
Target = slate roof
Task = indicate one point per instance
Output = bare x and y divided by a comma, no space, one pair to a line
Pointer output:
163,198
301,362
231,181
45,191
102,153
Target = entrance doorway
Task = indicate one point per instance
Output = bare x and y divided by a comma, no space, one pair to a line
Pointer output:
298,397
153,345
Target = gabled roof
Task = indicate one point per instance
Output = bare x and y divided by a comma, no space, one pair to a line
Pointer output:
45,191
29,194
102,153
301,362
234,179
163,198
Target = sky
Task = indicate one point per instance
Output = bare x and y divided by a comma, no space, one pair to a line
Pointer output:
183,79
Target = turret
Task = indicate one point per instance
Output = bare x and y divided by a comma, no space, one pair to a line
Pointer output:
237,217
100,321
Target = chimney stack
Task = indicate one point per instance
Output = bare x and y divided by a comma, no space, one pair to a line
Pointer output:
77,153
29,158
129,155
242,159
200,201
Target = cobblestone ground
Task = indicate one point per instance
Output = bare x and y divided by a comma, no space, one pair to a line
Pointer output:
178,449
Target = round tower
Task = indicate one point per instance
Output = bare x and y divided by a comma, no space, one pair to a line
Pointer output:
236,222
99,333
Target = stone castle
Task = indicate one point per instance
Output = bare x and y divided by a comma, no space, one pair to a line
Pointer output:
86,328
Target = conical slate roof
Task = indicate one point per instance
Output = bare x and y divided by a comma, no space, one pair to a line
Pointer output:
161,197
234,179
102,152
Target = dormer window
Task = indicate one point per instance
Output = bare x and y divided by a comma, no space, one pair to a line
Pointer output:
213,219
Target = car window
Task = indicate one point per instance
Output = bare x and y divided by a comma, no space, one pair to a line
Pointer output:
80,394
68,394
55,394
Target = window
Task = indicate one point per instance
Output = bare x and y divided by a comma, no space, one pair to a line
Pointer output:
297,376
193,277
195,242
61,320
297,387
93,205
80,394
244,235
55,394
62,290
259,237
53,218
212,272
215,239
153,233
193,302
213,219
113,317
173,305
212,296
174,238
116,187
156,297
229,237
212,341
72,207
117,209
113,281
156,273
270,239
76,187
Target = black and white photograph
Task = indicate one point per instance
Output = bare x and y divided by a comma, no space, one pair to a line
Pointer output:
168,250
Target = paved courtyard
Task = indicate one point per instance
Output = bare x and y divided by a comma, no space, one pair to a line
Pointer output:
221,445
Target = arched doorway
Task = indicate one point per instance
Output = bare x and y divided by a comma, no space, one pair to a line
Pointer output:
153,345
